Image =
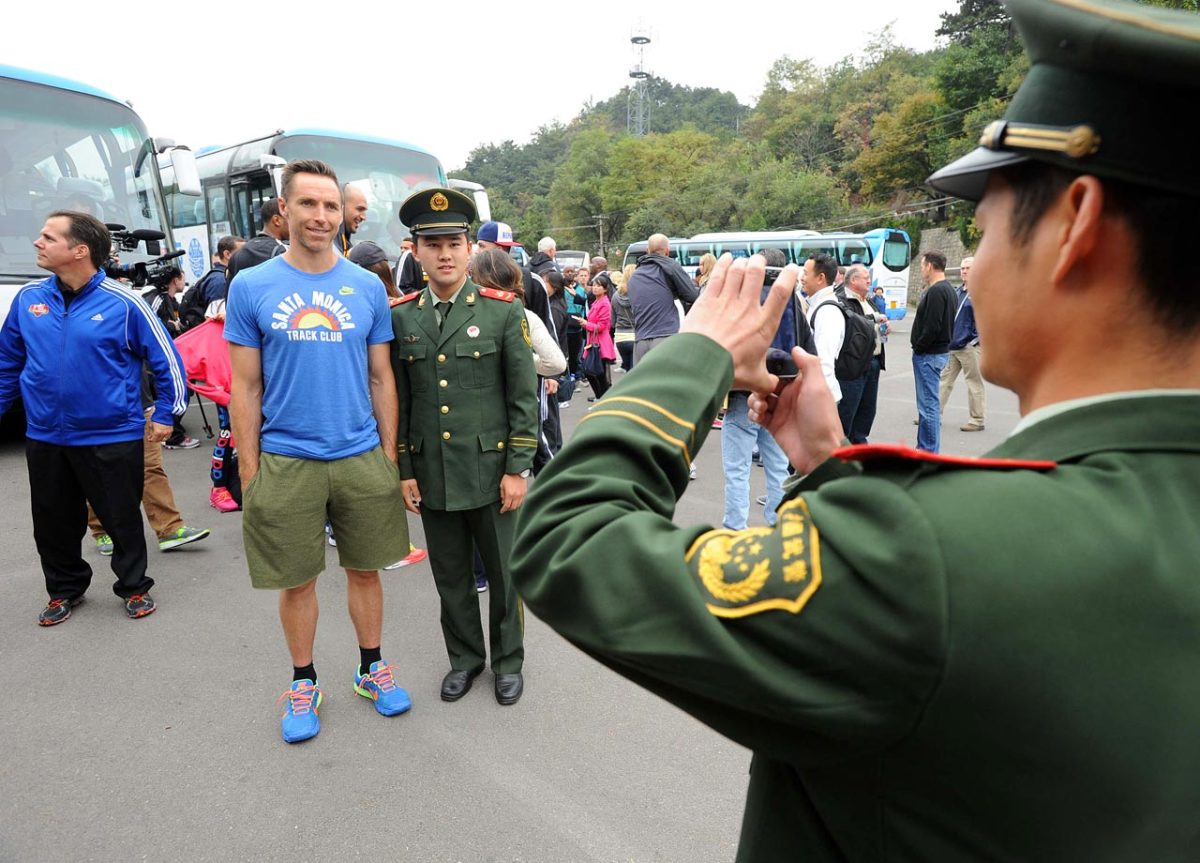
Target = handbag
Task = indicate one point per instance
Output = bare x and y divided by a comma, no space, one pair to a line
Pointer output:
592,364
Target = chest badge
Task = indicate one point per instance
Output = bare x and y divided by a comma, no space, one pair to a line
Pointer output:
473,332
39,309
411,339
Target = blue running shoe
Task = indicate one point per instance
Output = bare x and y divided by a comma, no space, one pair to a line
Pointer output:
299,720
380,686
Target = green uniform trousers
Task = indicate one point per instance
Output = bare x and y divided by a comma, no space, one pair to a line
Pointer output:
451,537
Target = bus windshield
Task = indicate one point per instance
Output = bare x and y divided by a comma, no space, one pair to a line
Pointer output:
386,174
62,150
896,252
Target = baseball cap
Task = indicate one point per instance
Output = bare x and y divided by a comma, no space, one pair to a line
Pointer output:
496,232
367,253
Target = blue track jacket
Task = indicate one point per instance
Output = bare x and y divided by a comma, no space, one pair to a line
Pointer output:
79,370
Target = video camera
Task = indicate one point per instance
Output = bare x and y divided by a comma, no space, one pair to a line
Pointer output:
142,272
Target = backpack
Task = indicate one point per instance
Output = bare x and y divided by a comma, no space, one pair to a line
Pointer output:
858,346
192,305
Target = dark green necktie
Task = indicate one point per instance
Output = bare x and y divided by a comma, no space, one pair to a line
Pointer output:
443,310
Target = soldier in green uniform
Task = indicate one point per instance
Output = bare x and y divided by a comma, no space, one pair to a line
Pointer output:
468,434
934,658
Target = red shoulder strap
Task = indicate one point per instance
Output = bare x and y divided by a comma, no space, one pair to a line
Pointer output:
408,298
895,452
493,294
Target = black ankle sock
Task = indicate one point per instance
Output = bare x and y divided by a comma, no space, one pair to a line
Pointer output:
305,673
367,655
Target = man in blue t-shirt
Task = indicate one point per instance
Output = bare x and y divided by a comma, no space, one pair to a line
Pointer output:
314,415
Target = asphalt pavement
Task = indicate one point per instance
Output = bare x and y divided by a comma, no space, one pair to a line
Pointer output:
158,739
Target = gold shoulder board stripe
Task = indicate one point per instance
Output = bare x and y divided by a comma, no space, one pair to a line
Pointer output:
1132,18
642,421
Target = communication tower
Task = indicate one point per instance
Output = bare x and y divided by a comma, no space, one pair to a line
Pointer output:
638,112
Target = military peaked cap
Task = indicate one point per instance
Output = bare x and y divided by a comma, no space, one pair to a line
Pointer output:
437,211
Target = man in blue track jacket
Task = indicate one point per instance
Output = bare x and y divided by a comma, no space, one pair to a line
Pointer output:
74,346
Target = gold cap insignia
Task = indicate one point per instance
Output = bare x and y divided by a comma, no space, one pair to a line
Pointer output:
1075,142
439,203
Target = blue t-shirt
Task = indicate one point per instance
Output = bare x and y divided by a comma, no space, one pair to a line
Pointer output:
313,330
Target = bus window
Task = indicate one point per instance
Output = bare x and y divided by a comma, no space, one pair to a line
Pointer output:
218,214
782,245
896,252
805,249
634,253
738,250
689,254
853,252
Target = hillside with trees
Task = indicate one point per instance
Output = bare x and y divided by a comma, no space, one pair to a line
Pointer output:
843,147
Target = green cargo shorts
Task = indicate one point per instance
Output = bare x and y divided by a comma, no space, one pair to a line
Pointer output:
288,501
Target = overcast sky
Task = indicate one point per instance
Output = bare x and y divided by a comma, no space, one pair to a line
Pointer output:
461,75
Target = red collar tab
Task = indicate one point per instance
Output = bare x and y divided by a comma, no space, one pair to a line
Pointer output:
408,298
493,294
895,452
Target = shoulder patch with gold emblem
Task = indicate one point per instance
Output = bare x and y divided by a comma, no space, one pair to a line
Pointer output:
745,572
493,294
525,332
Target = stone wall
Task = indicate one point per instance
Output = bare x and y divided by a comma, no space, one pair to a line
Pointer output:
942,240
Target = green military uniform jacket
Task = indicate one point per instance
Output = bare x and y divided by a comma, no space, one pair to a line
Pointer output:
468,395
931,661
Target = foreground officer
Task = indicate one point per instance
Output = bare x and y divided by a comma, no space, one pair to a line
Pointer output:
468,434
943,659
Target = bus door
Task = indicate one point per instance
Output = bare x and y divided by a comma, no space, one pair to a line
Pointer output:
248,193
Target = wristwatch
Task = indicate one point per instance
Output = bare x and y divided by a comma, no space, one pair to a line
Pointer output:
525,474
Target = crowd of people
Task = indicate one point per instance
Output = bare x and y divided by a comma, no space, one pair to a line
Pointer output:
420,386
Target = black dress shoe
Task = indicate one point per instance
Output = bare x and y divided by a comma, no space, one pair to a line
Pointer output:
456,684
509,688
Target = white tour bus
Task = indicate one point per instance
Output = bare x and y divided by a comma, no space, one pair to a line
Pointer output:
237,180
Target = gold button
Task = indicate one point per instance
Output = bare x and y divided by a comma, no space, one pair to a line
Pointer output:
441,358
445,409
477,355
411,358
500,445
445,435
443,383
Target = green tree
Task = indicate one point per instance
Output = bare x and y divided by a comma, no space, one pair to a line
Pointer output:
574,196
906,146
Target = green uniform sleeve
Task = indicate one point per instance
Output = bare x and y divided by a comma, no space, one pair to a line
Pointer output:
520,392
818,639
403,397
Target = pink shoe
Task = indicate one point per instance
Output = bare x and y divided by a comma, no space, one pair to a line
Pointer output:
416,555
222,500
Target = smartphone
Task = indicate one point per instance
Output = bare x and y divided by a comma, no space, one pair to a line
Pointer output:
779,354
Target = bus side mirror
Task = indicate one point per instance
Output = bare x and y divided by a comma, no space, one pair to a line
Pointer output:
187,176
274,166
